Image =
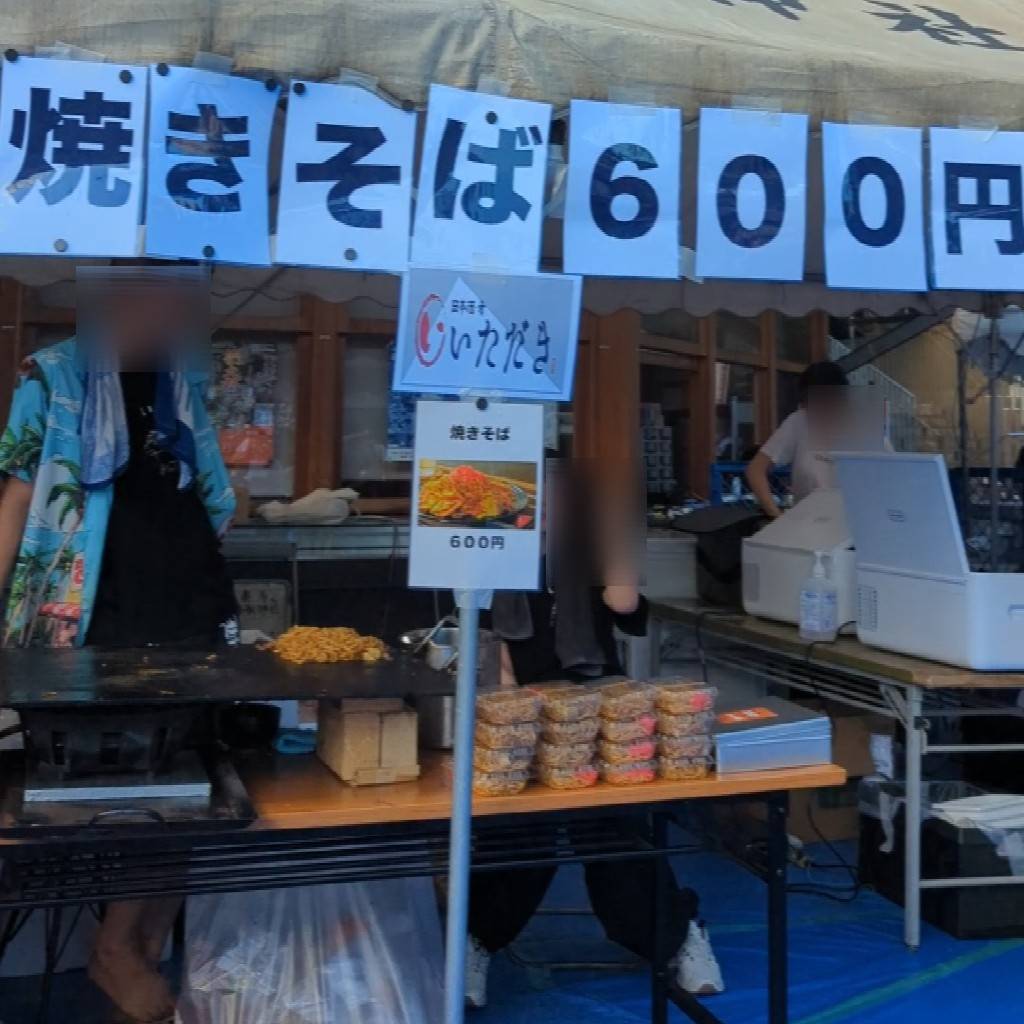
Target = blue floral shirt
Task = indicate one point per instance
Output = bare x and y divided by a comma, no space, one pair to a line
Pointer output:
53,585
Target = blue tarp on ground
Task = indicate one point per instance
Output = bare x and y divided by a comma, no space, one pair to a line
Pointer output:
847,963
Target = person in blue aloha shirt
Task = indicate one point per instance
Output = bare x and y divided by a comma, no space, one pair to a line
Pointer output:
60,550
115,496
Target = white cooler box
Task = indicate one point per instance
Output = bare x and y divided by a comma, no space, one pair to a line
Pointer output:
779,559
916,593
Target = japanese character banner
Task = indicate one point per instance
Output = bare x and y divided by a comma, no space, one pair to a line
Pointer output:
346,180
501,334
977,208
874,208
71,157
622,198
751,195
478,481
207,183
480,198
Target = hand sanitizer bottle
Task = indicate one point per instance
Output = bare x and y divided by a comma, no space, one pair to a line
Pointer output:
819,605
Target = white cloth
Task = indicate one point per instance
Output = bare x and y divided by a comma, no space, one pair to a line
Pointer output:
792,445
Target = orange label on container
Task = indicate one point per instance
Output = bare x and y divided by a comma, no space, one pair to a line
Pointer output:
746,715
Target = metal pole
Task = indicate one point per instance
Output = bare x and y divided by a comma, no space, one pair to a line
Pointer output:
993,439
912,840
459,843
965,469
778,924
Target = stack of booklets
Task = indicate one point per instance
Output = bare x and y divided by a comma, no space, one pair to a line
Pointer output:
771,733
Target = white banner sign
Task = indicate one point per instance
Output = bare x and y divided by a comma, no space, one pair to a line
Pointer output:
346,180
71,157
207,183
751,195
480,198
498,334
622,198
977,208
478,477
874,208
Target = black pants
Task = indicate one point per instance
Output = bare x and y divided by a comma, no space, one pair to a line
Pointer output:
621,895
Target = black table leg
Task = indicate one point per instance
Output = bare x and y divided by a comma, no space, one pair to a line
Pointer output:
54,918
659,959
778,934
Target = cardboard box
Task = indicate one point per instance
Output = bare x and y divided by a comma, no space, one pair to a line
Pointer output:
834,811
369,742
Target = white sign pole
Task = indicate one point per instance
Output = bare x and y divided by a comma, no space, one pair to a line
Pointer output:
460,837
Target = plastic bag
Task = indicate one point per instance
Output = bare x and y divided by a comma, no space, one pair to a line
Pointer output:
362,953
321,507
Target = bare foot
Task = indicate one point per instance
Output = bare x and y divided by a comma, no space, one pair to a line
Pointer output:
131,984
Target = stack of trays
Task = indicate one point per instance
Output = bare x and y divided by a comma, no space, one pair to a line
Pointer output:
771,733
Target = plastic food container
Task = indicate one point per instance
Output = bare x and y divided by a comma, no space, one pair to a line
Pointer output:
565,755
633,729
625,753
684,746
685,698
681,769
514,759
499,783
583,731
621,701
570,703
490,783
628,774
506,737
580,777
685,725
508,707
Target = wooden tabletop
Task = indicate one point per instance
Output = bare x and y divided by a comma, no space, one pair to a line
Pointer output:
299,792
844,653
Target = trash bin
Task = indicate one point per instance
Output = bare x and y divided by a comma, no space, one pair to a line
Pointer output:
947,851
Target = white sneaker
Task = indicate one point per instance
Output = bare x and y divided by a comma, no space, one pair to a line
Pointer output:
697,970
478,963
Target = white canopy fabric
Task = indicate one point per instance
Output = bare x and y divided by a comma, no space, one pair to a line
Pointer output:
877,60
901,61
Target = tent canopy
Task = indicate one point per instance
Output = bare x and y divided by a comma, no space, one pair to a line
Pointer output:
902,62
876,60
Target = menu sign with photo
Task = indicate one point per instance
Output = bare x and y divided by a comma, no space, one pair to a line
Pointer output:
478,477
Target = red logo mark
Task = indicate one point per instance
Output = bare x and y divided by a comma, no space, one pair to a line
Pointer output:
429,335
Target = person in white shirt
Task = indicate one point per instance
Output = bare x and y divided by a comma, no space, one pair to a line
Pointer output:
800,440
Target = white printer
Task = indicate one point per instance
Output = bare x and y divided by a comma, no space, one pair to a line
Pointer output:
915,592
778,559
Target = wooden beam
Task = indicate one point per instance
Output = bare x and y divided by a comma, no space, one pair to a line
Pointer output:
702,411
680,346
320,360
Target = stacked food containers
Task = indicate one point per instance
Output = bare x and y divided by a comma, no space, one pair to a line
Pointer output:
628,746
508,723
569,726
685,717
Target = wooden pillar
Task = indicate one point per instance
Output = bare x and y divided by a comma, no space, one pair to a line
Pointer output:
766,390
320,351
12,299
702,408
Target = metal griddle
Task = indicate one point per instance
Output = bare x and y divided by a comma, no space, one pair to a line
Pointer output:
41,677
